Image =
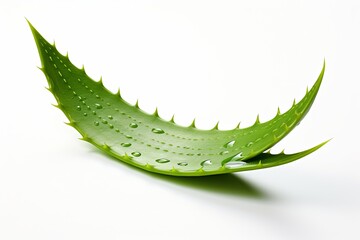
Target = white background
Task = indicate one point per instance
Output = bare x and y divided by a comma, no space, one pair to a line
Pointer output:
213,60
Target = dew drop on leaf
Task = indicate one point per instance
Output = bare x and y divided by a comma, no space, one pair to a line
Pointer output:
133,125
237,157
162,160
235,164
126,144
98,106
206,163
136,154
230,144
183,164
224,152
157,130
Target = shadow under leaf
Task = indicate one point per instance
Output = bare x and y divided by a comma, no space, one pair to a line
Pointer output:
229,184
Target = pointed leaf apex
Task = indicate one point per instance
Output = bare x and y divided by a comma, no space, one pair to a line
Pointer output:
56,105
238,126
137,103
156,113
85,138
172,118
201,170
278,112
216,127
257,121
294,103
101,81
71,123
106,147
193,124
118,93
42,69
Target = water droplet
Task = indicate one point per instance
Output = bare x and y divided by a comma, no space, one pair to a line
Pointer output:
74,93
85,114
126,144
93,112
206,163
80,98
235,164
157,130
97,96
162,160
88,107
108,104
96,123
224,152
79,80
78,108
183,164
136,154
98,106
91,91
110,117
111,126
128,136
69,87
104,121
230,144
237,157
65,81
133,125
249,144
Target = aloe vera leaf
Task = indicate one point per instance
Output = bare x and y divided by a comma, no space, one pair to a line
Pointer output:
145,140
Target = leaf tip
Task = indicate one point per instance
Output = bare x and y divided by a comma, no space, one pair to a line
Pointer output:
193,124
156,113
216,127
172,120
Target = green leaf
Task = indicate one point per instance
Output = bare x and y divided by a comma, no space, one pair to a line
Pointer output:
146,141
